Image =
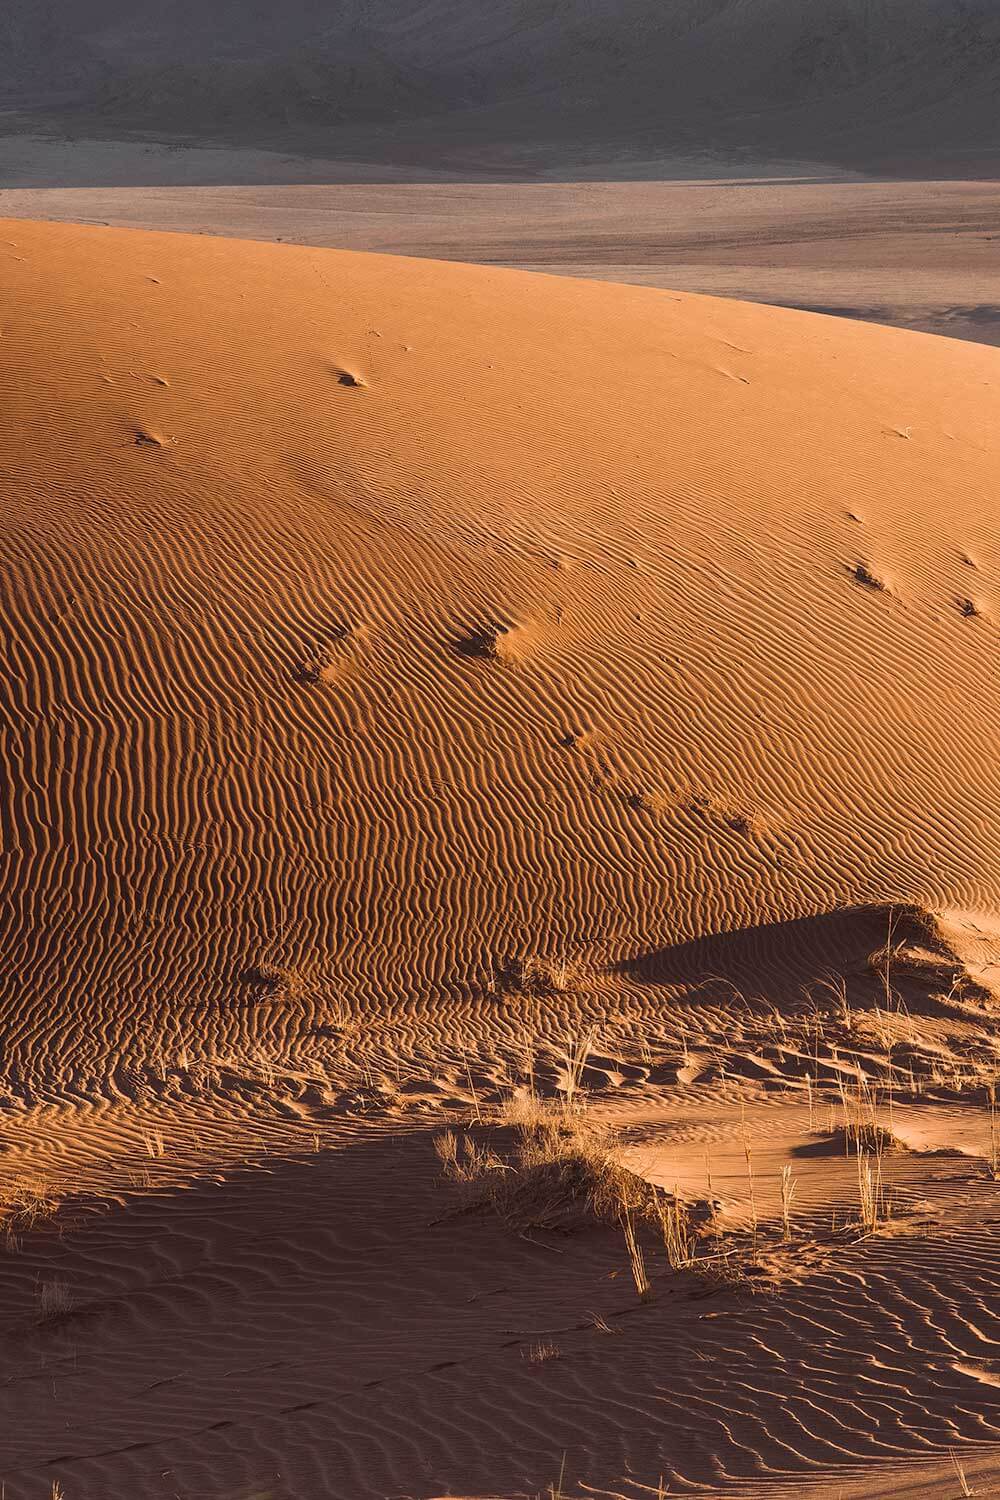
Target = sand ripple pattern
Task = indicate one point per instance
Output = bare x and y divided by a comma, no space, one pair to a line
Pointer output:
286,1331
539,629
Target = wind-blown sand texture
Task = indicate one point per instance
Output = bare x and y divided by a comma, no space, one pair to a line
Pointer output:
408,669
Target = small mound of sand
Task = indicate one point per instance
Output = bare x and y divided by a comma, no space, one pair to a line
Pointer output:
500,643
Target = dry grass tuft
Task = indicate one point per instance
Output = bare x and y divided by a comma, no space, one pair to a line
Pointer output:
863,1135
55,1301
541,1352
272,981
24,1204
637,1261
788,1186
873,1202
538,974
677,1231
559,1174
960,1474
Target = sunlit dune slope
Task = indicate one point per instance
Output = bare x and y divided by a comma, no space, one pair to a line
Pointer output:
366,622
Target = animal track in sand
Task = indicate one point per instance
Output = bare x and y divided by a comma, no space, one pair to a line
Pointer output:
741,817
577,739
270,981
316,669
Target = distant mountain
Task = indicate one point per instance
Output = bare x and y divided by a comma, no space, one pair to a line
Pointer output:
845,77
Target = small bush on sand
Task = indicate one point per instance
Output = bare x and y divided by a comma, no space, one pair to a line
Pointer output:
541,1352
537,974
862,1135
55,1301
556,1174
25,1204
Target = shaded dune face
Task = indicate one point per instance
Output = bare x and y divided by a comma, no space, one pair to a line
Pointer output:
580,617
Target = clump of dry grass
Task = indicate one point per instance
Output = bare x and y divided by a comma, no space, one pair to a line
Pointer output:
872,1198
550,1170
870,1141
677,1230
558,1173
865,1137
556,1489
24,1204
541,1352
637,1260
272,981
538,974
55,1301
788,1186
966,1488
862,1128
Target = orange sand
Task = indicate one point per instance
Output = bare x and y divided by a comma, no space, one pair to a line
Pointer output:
368,624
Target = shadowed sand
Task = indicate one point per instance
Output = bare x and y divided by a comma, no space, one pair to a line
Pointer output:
416,676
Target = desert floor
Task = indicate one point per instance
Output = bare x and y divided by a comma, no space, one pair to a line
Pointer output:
922,254
499,874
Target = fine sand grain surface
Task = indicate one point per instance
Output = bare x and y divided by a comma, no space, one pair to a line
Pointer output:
499,884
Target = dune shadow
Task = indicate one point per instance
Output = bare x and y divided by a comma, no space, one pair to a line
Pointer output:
287,1311
861,948
792,950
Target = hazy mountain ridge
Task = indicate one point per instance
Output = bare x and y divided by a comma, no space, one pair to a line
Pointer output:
924,73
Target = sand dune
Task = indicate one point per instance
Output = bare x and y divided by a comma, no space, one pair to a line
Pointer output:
914,254
410,668
744,618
